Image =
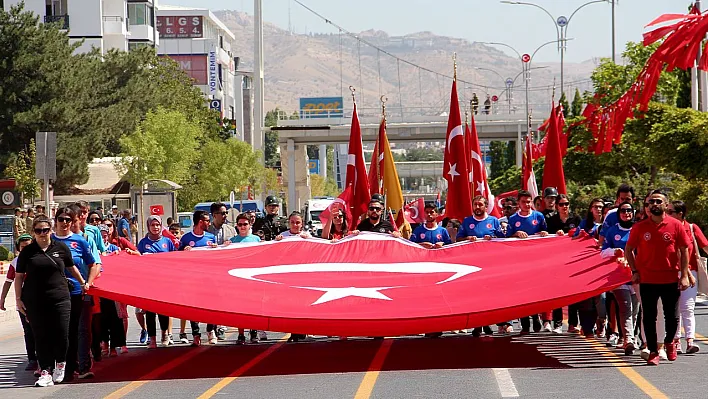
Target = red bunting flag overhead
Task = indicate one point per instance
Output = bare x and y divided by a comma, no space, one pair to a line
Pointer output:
356,170
455,164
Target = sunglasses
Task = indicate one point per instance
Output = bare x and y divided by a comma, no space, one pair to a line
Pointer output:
221,213
655,201
337,216
375,209
95,220
43,230
564,204
626,210
206,220
64,219
108,224
242,224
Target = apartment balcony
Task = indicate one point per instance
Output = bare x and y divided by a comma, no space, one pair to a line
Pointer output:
115,25
62,20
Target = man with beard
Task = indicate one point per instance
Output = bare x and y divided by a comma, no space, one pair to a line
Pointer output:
270,226
661,246
429,235
480,224
375,222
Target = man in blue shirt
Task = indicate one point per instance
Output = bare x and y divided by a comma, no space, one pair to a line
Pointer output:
199,237
429,234
124,225
243,225
480,224
526,222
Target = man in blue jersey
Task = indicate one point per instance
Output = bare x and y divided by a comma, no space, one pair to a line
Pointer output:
199,237
480,224
429,234
526,222
625,193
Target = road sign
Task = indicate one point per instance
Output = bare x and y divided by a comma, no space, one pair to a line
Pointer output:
562,21
495,98
314,166
509,81
46,159
215,104
525,58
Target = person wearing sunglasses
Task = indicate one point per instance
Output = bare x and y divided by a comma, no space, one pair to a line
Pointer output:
660,267
90,229
337,226
562,221
44,297
219,227
243,225
375,220
625,193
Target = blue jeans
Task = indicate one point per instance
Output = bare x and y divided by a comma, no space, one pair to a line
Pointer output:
85,333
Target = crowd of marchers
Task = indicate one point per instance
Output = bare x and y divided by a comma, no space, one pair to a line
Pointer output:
67,329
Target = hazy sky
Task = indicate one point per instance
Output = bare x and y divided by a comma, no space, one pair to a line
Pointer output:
522,27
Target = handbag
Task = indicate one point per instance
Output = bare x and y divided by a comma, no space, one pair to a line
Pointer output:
702,267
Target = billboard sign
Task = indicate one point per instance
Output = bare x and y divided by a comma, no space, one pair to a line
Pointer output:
213,71
188,27
314,166
194,65
321,107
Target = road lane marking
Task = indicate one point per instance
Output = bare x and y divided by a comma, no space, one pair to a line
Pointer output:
239,371
154,374
505,383
626,369
372,374
701,338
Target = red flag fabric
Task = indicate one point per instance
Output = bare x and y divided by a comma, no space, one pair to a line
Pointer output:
455,164
478,173
362,285
415,211
392,220
356,170
553,175
341,202
499,200
158,210
528,177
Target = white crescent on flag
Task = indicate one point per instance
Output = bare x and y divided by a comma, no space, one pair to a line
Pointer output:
457,131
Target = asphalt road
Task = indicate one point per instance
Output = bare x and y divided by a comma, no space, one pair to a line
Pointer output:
455,366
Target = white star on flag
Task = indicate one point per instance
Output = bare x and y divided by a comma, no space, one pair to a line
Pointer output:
332,294
480,188
453,172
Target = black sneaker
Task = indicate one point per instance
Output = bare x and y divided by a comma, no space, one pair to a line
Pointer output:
254,336
241,339
476,332
31,366
221,333
84,375
488,330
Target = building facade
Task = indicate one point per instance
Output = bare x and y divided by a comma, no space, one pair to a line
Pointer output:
202,45
101,24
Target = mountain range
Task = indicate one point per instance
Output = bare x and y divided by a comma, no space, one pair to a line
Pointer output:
414,69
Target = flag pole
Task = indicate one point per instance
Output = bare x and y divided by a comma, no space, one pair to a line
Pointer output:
383,100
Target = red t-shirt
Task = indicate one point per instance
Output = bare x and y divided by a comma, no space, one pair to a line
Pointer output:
657,246
702,243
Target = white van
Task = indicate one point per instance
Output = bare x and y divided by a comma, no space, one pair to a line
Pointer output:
312,210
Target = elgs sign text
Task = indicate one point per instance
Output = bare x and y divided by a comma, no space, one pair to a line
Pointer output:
189,27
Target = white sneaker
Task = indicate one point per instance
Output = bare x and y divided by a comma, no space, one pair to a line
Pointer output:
547,327
662,354
165,340
644,354
613,340
558,330
45,379
58,375
262,335
211,337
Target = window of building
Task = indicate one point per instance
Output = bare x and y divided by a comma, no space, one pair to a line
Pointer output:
231,112
150,16
137,14
132,46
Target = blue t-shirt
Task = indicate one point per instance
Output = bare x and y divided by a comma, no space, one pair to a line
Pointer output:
192,240
611,219
532,224
148,246
81,254
93,232
248,238
616,237
111,248
472,226
592,231
433,236
93,246
123,224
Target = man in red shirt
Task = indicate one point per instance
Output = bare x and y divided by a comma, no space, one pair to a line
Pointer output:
661,247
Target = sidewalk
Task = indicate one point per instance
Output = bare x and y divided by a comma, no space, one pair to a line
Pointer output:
10,315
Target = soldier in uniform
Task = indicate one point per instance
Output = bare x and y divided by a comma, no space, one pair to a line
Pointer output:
272,224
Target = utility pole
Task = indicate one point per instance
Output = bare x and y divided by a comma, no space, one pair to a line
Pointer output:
258,85
695,74
614,51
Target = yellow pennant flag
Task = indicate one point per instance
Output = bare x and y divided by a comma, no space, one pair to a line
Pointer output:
392,186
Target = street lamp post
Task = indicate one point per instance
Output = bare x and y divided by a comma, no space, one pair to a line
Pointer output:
561,24
506,82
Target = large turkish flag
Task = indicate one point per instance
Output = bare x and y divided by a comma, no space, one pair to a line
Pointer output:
368,285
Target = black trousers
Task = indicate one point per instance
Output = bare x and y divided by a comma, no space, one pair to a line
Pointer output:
72,355
526,323
50,327
112,330
650,294
150,322
195,328
29,339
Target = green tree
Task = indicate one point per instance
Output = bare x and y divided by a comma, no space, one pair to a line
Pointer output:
503,157
564,102
21,167
423,154
576,107
323,187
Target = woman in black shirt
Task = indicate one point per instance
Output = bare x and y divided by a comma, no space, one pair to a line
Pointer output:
42,294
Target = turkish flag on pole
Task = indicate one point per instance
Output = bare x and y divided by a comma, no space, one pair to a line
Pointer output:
455,168
356,170
415,211
499,200
553,175
478,173
393,194
528,178
376,165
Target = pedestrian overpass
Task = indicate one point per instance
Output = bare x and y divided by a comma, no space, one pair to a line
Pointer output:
295,135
